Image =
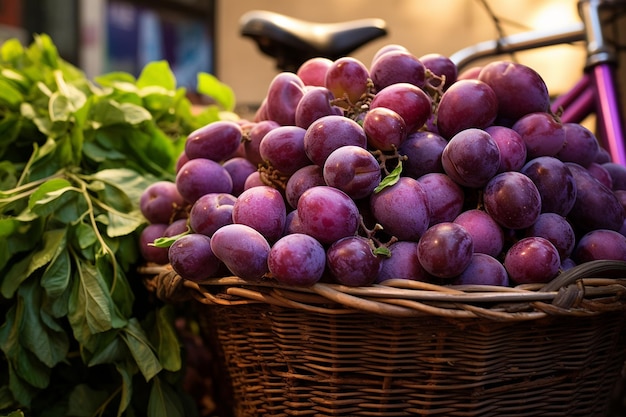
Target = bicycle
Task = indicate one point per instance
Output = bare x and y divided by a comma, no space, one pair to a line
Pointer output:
292,41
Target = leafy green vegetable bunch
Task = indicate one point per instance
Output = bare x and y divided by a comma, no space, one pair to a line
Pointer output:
75,156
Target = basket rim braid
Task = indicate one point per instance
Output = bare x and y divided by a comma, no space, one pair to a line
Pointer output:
587,289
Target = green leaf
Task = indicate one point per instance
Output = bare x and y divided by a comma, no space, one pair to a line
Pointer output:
10,95
50,195
85,235
208,115
8,175
101,150
57,307
141,350
145,152
16,79
15,276
134,114
127,388
122,224
157,99
211,86
24,235
165,339
109,348
84,401
21,270
60,107
42,121
56,277
115,79
90,304
20,388
157,73
127,251
44,50
121,293
166,242
163,402
17,413
10,127
7,401
49,344
122,187
76,97
10,330
382,251
53,243
105,112
11,50
8,226
390,179
31,369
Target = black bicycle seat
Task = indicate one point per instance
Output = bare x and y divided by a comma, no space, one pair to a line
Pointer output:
292,41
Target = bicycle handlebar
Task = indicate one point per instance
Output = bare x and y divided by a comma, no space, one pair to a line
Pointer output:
519,42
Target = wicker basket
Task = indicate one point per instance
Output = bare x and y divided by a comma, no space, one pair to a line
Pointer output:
407,348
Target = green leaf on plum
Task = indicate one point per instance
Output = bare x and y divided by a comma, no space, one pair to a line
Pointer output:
390,179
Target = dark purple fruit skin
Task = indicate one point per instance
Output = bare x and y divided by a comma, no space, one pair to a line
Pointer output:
210,212
242,249
445,250
513,200
201,176
471,158
328,214
160,202
617,173
149,252
402,209
297,259
542,133
352,261
467,103
423,150
601,244
216,141
192,258
441,66
532,260
596,206
555,183
395,67
483,270
520,90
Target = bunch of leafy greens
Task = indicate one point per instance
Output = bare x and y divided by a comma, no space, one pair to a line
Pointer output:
75,155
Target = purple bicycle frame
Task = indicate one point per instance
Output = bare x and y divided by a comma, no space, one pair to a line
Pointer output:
596,92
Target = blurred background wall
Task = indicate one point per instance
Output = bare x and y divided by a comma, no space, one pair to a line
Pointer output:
203,35
442,26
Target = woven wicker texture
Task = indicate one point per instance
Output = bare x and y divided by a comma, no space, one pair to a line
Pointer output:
286,362
414,349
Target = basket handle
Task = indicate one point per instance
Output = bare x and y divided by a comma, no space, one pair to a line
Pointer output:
589,269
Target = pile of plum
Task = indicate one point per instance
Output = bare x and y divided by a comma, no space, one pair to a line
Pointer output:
405,168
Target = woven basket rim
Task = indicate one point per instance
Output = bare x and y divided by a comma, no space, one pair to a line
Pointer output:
591,288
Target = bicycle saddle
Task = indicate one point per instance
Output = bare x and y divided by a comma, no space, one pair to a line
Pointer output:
291,41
